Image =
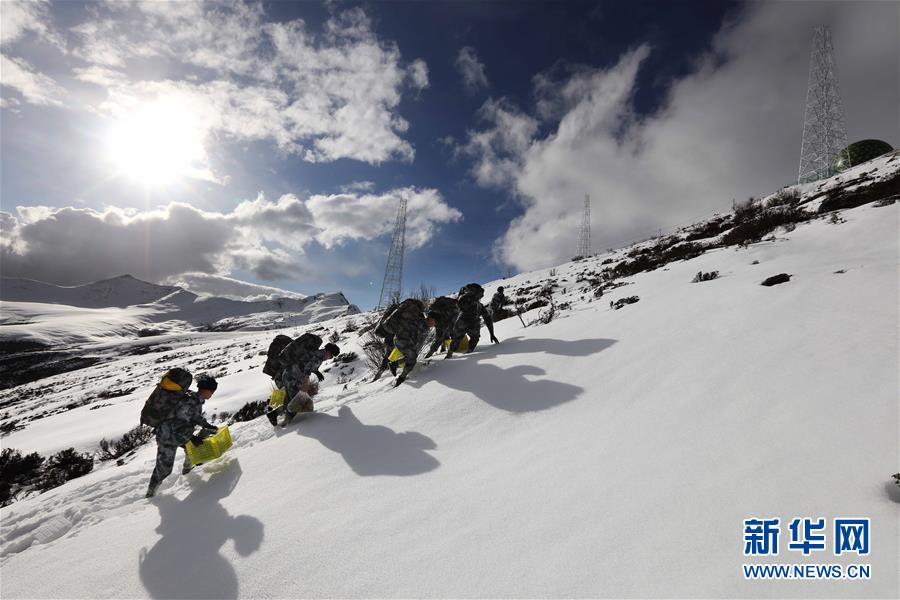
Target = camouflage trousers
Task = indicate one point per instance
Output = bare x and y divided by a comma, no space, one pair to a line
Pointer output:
165,460
466,325
407,346
293,381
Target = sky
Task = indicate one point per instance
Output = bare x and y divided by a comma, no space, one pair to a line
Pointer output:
238,147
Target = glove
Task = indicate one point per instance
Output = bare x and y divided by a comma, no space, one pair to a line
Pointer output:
495,340
319,375
196,440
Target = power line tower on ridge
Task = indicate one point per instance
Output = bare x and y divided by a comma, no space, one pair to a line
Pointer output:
584,240
393,272
824,135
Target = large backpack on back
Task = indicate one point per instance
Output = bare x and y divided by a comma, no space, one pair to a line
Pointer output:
472,289
168,392
272,366
300,347
445,307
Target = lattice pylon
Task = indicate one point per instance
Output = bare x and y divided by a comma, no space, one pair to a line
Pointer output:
824,135
584,240
393,272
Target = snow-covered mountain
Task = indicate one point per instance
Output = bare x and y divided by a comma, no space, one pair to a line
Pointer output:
120,292
47,329
609,452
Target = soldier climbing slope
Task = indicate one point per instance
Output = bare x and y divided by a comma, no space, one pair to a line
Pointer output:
498,301
300,359
471,311
177,428
403,328
442,316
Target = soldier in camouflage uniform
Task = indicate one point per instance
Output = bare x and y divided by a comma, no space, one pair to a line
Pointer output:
299,365
441,316
178,429
471,312
405,329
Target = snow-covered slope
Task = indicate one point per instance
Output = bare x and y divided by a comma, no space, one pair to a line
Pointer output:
609,453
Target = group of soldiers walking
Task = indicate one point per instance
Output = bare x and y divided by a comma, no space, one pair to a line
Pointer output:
403,330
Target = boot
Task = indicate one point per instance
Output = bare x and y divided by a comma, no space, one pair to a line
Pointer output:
151,490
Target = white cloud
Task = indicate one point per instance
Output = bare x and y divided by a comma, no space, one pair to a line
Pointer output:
730,129
35,87
20,16
321,96
418,74
350,217
471,69
69,246
228,287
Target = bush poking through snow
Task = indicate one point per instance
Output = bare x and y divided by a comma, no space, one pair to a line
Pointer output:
17,471
622,302
764,222
776,279
375,350
746,211
346,357
250,411
138,436
785,197
701,276
65,465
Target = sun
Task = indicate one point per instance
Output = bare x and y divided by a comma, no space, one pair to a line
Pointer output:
156,143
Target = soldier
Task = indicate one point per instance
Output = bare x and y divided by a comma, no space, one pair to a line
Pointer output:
441,316
497,302
471,311
301,358
178,429
403,328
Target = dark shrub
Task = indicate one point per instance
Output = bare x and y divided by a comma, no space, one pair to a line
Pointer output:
250,411
134,438
701,276
847,198
746,211
776,279
17,468
346,357
709,229
785,197
622,302
65,465
765,222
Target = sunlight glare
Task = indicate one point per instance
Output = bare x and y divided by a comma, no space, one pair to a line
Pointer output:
156,143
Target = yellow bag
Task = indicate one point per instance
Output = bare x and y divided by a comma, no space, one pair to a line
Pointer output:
277,397
169,385
211,448
395,355
463,344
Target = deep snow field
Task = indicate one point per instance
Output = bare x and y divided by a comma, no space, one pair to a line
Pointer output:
609,453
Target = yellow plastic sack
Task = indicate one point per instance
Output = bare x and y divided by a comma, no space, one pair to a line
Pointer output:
169,385
395,355
463,344
211,448
277,397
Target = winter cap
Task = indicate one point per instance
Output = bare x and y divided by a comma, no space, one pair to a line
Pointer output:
500,289
332,349
206,382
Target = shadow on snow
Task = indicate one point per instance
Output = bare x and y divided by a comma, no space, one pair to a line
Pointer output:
370,449
185,562
518,389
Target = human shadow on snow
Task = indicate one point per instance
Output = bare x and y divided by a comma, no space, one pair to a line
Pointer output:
370,449
517,389
185,562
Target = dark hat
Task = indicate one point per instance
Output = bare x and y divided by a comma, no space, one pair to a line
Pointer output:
332,349
206,382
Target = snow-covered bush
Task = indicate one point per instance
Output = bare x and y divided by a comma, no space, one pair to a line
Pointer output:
65,465
17,471
701,276
250,411
133,438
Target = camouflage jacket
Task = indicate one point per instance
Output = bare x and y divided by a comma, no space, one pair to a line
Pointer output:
187,415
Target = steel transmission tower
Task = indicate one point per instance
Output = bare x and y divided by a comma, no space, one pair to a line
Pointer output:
584,240
824,135
393,272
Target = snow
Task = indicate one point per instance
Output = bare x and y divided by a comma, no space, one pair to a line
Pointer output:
609,453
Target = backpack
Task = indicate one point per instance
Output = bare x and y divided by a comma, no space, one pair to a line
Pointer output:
411,310
444,306
162,400
472,289
272,366
299,348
